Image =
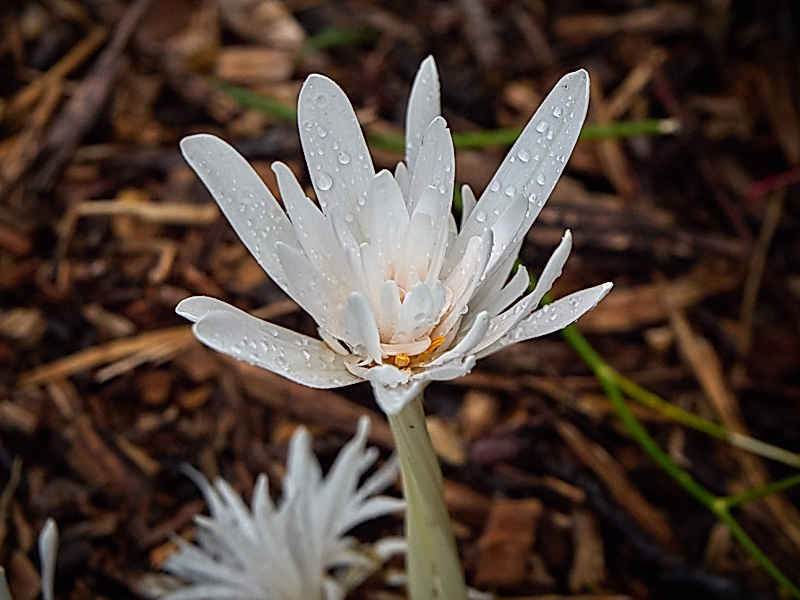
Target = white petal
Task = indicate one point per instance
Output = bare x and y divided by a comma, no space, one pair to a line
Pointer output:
510,292
450,370
467,203
506,321
303,473
385,217
48,549
435,172
360,326
5,593
463,280
473,336
552,317
393,390
417,314
195,308
315,293
401,175
312,229
292,355
390,307
423,107
534,163
333,143
252,211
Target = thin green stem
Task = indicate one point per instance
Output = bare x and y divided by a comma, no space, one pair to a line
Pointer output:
761,491
433,567
689,419
470,139
720,507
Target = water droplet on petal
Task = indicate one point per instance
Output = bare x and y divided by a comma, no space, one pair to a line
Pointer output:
540,179
541,127
557,112
509,191
495,186
532,198
344,158
321,99
349,217
324,182
480,216
523,156
322,132
308,125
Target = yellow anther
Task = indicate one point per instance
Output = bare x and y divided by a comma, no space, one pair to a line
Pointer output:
435,343
402,360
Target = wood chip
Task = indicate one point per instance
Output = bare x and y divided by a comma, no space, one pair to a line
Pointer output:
506,542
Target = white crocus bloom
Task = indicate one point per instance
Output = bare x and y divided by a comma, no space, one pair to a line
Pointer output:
286,552
400,294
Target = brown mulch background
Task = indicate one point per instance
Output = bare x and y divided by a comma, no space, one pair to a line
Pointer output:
103,229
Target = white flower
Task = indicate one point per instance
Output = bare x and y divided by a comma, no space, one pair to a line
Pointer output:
400,294
285,552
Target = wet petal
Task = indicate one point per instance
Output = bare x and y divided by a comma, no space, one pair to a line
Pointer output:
333,144
551,317
534,163
504,322
292,355
423,107
251,209
360,326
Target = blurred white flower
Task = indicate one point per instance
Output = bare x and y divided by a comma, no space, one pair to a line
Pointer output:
400,294
286,552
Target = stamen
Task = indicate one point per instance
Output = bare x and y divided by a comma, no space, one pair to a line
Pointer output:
435,343
402,360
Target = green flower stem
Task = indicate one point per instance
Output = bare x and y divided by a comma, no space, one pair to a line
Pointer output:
434,570
761,491
720,507
470,139
689,419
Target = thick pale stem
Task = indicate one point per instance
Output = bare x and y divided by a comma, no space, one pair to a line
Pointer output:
434,570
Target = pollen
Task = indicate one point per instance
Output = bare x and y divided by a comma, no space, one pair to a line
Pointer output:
402,360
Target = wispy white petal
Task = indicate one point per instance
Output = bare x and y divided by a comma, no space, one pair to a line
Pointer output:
292,355
510,292
551,317
247,203
286,552
333,143
392,388
423,107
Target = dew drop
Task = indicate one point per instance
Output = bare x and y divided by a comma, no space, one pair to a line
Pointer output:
541,127
349,217
343,158
321,99
509,191
308,125
322,132
495,186
540,179
532,198
480,216
324,181
523,156
557,112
